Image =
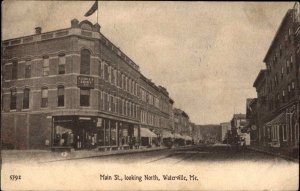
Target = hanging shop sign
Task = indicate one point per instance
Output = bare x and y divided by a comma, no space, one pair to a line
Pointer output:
85,82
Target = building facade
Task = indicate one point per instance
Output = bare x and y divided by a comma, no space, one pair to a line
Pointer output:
74,88
281,125
225,128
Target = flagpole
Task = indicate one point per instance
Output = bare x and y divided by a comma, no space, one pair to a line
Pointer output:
97,11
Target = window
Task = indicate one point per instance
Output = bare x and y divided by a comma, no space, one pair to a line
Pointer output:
46,66
61,64
109,74
283,94
26,98
60,96
27,69
8,71
284,132
106,75
281,72
84,97
293,85
14,70
291,60
44,97
129,85
85,62
13,99
280,50
287,66
101,69
111,104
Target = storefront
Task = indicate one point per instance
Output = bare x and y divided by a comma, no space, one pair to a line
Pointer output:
148,138
86,132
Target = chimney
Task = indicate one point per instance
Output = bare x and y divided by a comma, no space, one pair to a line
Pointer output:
38,30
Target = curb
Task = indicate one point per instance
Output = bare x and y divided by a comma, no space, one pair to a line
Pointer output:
274,154
105,154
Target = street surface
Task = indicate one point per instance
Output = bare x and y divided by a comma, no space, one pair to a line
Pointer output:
191,168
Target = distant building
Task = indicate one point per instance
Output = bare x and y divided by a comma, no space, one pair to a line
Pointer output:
226,127
239,123
211,133
251,116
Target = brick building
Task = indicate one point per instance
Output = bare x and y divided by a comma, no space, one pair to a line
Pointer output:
278,86
182,127
74,88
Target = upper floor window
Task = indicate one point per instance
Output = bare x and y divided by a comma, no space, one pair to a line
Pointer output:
46,66
44,102
27,69
26,98
85,61
287,66
100,69
106,74
291,61
14,70
13,99
84,97
61,64
280,50
60,96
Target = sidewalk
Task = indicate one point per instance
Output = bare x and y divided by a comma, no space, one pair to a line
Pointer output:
42,156
288,154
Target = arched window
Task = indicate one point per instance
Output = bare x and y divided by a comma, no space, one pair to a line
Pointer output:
85,62
26,98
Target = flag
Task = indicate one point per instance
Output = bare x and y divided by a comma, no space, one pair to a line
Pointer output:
92,9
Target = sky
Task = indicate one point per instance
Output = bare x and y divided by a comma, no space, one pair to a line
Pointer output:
207,54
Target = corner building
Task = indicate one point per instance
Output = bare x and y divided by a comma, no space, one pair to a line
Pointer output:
70,88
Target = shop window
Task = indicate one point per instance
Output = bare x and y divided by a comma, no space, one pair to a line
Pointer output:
27,69
61,64
46,66
13,99
26,98
60,96
85,62
44,102
84,97
14,70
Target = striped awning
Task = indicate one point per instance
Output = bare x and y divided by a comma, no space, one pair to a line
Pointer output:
278,120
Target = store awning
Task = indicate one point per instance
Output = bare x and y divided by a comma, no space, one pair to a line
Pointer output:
147,133
167,134
279,119
187,138
178,136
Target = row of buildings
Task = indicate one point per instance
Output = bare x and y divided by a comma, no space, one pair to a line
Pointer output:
74,88
274,114
272,119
